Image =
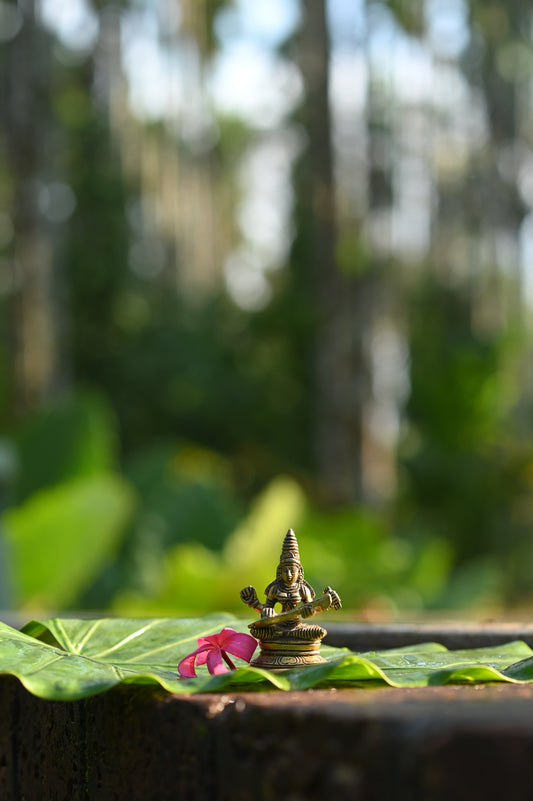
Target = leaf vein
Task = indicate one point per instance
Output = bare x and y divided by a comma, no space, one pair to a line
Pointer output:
181,641
65,636
126,640
89,633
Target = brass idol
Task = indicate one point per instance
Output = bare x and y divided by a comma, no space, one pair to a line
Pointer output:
286,641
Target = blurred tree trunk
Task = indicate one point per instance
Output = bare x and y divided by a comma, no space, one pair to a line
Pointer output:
32,316
340,375
491,201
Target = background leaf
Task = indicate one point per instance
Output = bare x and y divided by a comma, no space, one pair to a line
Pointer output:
60,538
74,438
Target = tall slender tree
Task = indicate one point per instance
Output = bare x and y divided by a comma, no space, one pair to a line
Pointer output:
340,296
27,139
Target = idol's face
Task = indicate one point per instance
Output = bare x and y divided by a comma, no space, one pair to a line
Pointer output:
289,573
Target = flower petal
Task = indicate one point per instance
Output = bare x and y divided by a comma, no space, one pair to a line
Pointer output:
211,649
214,662
241,645
225,636
203,653
208,641
186,666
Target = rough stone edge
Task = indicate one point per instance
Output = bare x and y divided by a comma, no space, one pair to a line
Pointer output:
138,743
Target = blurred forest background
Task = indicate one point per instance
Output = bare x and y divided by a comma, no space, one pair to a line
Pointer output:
266,263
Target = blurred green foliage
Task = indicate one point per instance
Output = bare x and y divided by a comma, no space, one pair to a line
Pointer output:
75,438
164,478
67,507
58,541
168,533
467,457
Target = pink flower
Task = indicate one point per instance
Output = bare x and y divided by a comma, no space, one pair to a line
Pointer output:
214,648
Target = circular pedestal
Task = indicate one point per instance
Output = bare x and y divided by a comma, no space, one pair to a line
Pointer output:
285,653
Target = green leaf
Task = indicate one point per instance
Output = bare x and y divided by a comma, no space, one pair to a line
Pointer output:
61,537
83,657
79,432
86,657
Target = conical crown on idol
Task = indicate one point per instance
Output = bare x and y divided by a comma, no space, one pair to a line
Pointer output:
290,551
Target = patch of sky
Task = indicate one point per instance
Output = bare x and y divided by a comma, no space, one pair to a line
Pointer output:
346,22
267,23
73,21
254,82
248,76
148,66
447,26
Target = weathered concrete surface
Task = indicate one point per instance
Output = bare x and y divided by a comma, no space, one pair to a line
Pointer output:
139,744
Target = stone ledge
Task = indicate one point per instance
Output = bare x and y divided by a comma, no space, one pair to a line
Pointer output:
139,744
